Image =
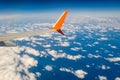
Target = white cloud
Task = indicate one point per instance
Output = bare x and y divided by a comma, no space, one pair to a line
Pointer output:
46,46
65,44
48,68
56,55
43,54
78,43
89,45
96,43
117,78
28,61
92,45
79,73
75,48
103,39
104,67
31,51
11,60
74,57
87,66
114,59
93,56
110,55
16,67
71,37
60,50
38,74
102,77
65,69
113,47
58,39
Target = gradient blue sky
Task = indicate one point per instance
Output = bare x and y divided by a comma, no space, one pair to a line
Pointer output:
48,7
27,5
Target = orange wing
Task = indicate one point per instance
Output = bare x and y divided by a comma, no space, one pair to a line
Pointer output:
59,22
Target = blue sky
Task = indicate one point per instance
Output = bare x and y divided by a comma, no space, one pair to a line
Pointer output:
80,7
30,5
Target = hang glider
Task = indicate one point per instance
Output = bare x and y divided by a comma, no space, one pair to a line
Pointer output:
5,38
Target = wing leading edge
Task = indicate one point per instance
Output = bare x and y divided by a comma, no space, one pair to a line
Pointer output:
10,36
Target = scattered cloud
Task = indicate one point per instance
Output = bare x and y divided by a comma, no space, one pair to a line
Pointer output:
65,44
117,78
38,74
79,73
13,66
93,56
46,46
102,77
28,61
48,68
78,43
87,66
71,37
103,39
56,55
31,51
75,49
104,67
114,59
113,47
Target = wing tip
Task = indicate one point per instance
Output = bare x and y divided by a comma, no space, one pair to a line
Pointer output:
59,23
66,11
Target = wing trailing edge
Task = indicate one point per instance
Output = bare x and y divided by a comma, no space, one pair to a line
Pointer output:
7,44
